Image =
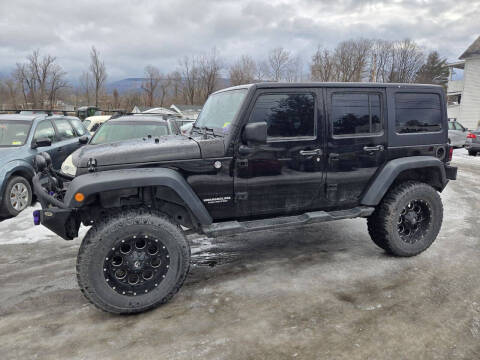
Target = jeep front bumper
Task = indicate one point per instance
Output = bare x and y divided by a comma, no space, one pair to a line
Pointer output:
55,215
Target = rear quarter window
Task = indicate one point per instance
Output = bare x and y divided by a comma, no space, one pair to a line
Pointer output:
417,113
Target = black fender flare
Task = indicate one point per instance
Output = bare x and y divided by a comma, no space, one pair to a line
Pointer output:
389,172
97,182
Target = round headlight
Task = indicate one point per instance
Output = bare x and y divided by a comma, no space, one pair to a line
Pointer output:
40,163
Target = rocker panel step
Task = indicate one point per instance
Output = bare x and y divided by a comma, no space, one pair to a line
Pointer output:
234,227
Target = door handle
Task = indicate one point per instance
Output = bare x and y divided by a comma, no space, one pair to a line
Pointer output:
310,152
373,148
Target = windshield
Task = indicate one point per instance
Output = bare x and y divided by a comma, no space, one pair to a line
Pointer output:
119,131
14,133
220,109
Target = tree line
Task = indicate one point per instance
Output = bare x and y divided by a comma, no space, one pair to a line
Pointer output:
40,82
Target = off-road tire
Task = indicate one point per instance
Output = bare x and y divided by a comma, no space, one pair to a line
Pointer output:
472,153
105,234
382,224
6,207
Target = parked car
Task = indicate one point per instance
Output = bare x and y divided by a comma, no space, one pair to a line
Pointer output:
93,122
21,138
122,128
457,134
473,142
187,127
260,156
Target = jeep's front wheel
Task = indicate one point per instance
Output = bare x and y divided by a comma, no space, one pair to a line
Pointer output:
408,219
132,262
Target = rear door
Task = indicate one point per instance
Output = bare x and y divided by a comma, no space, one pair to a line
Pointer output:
287,174
356,141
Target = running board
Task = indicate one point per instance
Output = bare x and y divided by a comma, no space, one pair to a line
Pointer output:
235,227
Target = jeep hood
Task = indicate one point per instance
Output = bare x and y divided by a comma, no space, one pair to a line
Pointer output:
138,151
149,150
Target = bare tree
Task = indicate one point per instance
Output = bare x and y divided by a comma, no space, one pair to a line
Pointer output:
380,61
190,78
351,58
150,84
294,70
56,82
322,67
164,89
278,62
11,90
408,58
243,71
116,99
176,79
39,79
99,73
86,86
209,73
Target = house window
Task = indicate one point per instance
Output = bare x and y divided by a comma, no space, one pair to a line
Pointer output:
417,113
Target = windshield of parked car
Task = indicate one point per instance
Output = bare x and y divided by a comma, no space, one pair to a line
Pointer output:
126,130
14,132
220,110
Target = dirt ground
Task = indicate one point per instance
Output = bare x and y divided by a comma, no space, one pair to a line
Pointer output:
319,292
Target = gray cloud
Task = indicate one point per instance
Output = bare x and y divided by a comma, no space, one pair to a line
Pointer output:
130,35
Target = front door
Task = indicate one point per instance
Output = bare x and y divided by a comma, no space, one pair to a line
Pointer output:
286,175
356,141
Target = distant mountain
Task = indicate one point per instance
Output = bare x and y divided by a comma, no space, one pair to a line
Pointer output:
132,84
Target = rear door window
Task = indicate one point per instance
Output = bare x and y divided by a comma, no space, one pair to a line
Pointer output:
65,130
417,113
356,113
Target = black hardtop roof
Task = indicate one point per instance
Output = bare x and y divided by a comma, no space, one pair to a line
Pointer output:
276,85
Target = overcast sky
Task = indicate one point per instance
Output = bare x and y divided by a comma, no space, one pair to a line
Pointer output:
133,34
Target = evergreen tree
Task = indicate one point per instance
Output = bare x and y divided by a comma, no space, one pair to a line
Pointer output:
434,71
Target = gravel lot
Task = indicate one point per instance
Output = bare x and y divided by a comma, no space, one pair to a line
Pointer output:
323,292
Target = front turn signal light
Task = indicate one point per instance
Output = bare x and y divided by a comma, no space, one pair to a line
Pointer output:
79,197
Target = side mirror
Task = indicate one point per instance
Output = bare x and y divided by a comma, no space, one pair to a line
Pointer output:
83,139
41,142
255,133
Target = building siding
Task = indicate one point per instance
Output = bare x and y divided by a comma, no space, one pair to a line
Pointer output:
470,103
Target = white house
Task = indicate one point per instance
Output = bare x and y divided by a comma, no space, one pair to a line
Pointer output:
464,91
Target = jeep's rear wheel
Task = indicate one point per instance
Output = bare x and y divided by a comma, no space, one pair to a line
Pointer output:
408,219
472,153
132,262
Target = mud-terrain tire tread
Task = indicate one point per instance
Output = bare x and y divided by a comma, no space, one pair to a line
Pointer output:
5,207
380,222
113,223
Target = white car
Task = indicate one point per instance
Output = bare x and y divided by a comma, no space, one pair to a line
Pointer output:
457,134
92,123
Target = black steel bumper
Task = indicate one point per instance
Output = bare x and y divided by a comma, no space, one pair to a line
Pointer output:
55,215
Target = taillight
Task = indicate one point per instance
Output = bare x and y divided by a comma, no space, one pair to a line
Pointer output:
471,136
450,153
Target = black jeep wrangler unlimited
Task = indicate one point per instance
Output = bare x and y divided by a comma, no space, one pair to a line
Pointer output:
260,156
